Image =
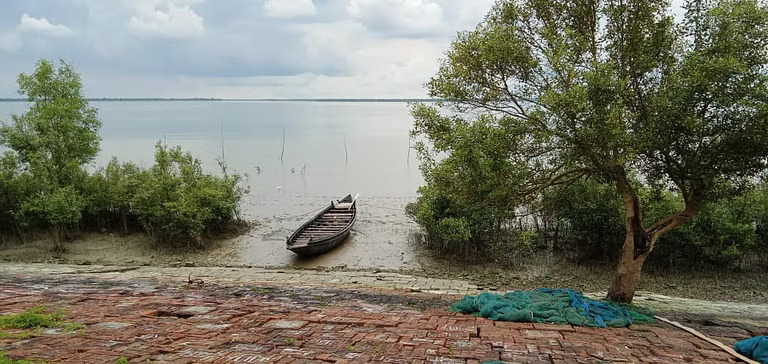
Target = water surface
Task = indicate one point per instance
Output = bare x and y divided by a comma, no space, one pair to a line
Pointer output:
331,149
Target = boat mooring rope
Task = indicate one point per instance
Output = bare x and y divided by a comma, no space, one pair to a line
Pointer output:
383,207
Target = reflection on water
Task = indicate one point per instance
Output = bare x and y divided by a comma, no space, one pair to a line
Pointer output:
331,150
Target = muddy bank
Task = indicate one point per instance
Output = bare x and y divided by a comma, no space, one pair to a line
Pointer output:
136,250
114,249
377,241
553,272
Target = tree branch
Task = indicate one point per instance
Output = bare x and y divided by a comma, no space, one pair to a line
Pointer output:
557,179
672,221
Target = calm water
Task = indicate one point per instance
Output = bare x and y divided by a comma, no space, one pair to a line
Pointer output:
316,165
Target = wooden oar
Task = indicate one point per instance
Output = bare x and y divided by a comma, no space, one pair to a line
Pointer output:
353,202
720,345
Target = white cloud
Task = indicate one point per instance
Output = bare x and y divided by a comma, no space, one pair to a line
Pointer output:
376,66
398,16
255,48
289,8
166,19
42,26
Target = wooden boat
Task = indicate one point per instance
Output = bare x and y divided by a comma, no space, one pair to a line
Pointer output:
326,230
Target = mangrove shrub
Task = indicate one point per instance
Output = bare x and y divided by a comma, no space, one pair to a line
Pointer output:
45,185
601,88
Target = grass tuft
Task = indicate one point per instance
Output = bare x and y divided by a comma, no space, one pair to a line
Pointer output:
291,340
6,360
14,335
38,317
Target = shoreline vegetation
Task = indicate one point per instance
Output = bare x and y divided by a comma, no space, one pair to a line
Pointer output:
613,133
129,99
46,190
45,187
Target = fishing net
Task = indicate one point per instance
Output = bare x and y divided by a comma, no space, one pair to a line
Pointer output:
558,306
755,348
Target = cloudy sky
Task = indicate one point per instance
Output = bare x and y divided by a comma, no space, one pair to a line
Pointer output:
235,48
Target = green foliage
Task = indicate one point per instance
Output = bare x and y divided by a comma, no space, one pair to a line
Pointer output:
451,227
44,185
723,233
47,148
36,317
469,193
290,340
6,360
10,196
543,94
59,207
121,360
591,221
110,192
59,132
177,203
14,335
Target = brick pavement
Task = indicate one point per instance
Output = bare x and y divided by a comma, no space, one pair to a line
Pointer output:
144,320
358,279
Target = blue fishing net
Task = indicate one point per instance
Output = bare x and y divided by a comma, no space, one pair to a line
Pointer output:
557,306
755,348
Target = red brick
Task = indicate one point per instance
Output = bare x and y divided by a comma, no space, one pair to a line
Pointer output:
261,326
541,334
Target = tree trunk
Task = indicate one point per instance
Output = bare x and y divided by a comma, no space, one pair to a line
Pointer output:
125,222
637,245
639,241
56,232
627,276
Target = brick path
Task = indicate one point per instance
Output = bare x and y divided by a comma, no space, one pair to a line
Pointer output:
180,323
359,279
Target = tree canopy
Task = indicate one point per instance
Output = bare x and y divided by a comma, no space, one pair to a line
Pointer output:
60,131
605,88
44,184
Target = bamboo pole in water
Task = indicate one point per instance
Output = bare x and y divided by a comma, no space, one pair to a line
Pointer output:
222,140
283,151
346,155
408,158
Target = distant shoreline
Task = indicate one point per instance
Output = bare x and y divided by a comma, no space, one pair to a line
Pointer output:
246,100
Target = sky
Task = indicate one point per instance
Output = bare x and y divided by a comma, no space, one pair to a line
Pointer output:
236,48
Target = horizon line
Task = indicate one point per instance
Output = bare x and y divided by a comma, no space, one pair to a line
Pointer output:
367,99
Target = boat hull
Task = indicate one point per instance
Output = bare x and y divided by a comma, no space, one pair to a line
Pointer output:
318,248
325,230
